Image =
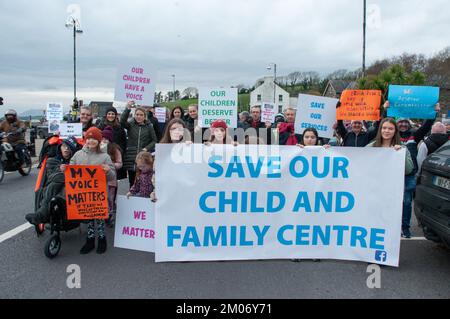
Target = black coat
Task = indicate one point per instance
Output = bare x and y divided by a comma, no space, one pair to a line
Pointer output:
140,136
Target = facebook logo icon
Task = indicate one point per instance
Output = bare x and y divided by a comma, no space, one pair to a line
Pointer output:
380,255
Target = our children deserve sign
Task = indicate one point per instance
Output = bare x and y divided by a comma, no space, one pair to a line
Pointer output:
135,83
417,102
86,194
359,105
316,112
284,203
135,224
217,104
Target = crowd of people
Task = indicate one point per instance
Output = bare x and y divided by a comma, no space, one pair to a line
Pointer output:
125,147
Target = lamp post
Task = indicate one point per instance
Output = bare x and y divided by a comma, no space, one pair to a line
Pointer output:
173,76
74,24
274,65
364,40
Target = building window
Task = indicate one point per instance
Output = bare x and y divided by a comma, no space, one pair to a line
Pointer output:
259,98
280,108
280,98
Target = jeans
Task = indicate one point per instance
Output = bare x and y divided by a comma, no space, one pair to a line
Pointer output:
410,187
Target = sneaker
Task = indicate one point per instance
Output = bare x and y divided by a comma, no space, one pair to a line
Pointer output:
101,247
406,233
88,247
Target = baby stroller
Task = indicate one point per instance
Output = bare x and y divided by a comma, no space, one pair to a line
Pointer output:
57,214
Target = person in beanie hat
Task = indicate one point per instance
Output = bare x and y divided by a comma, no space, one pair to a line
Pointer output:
219,133
111,119
53,180
107,134
115,153
94,133
91,154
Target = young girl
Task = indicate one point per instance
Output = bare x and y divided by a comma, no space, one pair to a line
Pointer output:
310,137
219,134
143,185
91,154
388,136
174,132
115,153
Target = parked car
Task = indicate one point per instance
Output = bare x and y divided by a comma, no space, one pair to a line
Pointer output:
41,131
432,201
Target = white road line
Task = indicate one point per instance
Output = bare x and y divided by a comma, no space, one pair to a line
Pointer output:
14,232
34,166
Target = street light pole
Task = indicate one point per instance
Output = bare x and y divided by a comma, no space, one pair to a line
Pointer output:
173,75
364,40
73,24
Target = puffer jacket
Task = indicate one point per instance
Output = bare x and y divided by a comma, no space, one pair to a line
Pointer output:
140,136
87,157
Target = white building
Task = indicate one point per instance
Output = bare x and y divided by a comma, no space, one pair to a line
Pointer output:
264,93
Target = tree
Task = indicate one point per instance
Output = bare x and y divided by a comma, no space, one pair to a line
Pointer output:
395,74
190,93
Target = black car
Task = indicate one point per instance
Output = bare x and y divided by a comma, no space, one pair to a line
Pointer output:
432,201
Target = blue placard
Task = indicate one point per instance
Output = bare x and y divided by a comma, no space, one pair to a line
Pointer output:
416,102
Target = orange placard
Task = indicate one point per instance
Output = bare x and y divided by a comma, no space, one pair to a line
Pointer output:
86,192
359,105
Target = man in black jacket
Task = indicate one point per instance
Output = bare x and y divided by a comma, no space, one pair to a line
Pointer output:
152,119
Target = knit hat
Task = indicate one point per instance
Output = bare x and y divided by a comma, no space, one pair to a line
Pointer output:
111,109
107,133
357,121
219,124
279,118
94,133
402,119
71,143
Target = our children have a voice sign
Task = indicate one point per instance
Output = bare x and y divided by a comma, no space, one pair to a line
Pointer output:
135,83
287,202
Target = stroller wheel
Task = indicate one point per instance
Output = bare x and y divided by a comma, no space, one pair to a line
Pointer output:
52,247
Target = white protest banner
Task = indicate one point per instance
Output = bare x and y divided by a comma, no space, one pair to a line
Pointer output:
243,204
54,116
160,114
135,224
218,104
135,83
268,112
70,129
316,112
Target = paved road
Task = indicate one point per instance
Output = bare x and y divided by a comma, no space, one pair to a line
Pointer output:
26,273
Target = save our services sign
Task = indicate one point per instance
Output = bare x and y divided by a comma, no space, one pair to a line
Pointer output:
284,202
218,104
316,112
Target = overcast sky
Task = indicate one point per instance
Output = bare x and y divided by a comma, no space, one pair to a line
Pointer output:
203,42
